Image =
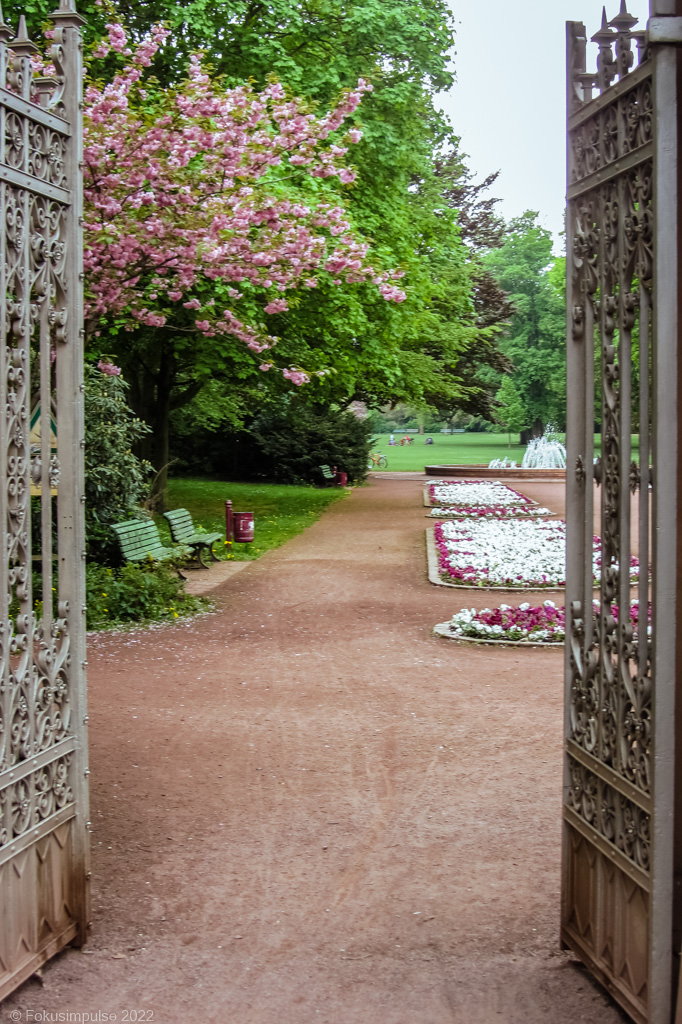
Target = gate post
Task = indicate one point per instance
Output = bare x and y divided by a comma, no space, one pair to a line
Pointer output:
666,453
44,855
69,366
622,830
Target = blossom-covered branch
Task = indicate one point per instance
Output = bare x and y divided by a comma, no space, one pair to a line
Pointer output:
187,209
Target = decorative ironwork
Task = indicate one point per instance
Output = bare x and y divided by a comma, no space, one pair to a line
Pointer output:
43,796
611,814
611,661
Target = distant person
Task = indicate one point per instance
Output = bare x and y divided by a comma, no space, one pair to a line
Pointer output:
391,439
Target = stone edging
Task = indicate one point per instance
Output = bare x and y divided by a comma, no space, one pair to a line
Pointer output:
485,472
432,569
443,629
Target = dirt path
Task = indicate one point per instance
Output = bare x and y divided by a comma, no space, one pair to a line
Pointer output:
307,809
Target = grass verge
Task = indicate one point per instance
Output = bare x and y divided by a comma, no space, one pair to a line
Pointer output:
280,511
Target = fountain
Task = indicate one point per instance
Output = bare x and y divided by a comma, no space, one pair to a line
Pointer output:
546,452
544,459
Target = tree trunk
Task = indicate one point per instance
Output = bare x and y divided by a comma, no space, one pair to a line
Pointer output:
530,432
161,431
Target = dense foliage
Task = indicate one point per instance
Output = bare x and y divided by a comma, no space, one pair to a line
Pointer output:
411,198
150,591
115,478
292,447
535,341
286,446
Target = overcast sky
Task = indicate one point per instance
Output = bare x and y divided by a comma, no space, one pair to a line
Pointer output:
508,104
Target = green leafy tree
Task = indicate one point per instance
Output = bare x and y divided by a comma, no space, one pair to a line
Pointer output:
510,412
416,206
535,341
115,478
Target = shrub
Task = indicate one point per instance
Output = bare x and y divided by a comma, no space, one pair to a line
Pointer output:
291,447
150,591
115,478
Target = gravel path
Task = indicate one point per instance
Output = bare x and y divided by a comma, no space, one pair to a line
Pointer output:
308,809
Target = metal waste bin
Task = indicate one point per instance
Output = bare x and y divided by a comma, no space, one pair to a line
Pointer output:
243,527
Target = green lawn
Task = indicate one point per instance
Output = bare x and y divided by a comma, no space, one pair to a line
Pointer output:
457,449
280,511
448,449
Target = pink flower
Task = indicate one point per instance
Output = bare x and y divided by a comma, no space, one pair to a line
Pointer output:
108,369
297,377
276,306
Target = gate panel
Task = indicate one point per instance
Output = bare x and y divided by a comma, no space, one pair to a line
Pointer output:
43,792
622,302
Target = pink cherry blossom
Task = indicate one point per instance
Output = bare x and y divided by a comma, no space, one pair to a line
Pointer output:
185,202
108,368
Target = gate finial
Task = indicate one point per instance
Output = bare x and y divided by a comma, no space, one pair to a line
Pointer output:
604,35
5,30
623,21
66,15
21,44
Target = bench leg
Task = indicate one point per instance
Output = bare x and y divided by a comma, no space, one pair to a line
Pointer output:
214,557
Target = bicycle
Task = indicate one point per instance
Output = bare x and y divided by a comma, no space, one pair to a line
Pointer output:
377,461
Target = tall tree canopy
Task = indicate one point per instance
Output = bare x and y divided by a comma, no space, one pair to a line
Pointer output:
406,201
535,340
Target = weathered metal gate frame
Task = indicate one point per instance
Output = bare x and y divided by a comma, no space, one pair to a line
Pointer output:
44,850
622,224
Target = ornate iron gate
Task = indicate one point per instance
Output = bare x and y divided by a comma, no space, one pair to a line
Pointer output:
43,790
622,300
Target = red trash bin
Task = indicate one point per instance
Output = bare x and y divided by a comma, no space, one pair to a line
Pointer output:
341,478
243,527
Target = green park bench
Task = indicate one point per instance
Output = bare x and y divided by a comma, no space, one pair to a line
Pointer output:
328,474
139,539
183,532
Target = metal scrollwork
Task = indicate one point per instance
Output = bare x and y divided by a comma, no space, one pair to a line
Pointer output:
43,743
611,228
621,822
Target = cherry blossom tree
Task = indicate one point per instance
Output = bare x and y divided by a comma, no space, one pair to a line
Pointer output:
206,209
185,204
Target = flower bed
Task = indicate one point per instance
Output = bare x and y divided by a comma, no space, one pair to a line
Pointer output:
472,493
488,511
518,554
540,626
521,624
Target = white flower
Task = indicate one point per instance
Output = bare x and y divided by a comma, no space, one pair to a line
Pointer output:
476,492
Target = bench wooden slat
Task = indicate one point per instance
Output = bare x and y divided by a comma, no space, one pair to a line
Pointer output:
183,531
139,539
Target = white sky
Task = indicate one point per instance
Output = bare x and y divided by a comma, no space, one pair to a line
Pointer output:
508,104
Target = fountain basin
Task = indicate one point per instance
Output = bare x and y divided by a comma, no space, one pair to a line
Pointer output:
483,472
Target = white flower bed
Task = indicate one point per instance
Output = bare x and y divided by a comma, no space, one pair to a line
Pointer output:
488,511
529,554
482,493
